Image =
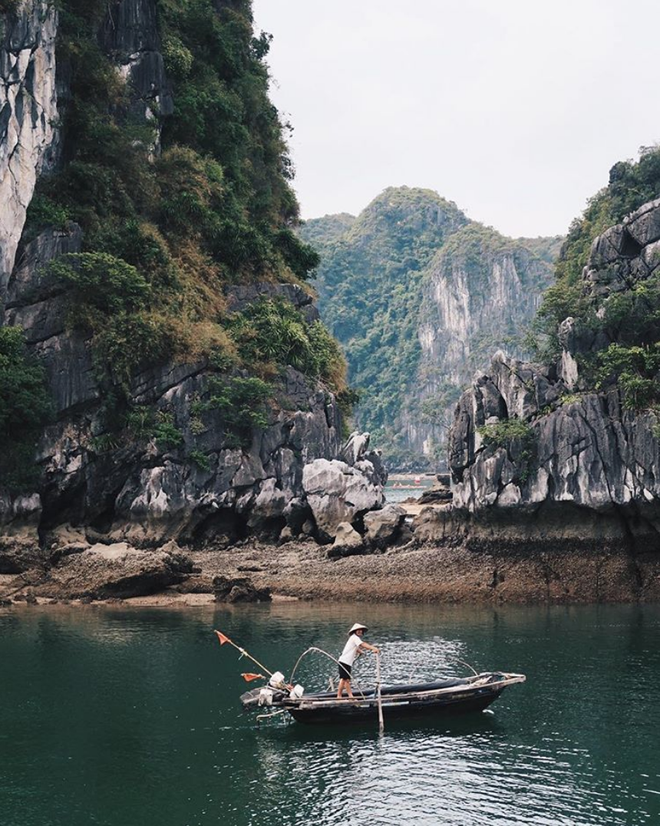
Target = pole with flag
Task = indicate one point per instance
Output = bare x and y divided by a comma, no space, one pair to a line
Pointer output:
223,638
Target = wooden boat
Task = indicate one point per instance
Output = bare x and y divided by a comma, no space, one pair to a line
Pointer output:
453,696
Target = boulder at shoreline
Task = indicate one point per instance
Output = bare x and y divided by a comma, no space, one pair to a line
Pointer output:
105,571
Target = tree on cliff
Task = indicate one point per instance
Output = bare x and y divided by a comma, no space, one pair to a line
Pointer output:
24,408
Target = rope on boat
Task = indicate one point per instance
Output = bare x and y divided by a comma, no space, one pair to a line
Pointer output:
325,653
462,662
261,717
473,670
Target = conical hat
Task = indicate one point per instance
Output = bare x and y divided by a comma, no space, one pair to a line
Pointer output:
357,627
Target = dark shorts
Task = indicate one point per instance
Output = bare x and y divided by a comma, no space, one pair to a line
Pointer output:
344,671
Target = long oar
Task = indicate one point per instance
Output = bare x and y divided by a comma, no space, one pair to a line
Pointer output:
224,638
381,722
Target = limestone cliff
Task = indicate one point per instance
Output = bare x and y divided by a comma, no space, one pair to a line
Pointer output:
480,292
28,114
419,296
568,453
156,281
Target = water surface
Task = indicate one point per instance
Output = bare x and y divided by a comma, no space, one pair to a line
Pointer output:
120,716
403,486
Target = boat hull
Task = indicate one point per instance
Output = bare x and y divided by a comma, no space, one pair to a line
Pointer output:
441,697
346,712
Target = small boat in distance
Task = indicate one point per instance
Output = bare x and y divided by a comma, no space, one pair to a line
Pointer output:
453,696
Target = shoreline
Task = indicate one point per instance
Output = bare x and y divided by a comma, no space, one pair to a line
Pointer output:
412,574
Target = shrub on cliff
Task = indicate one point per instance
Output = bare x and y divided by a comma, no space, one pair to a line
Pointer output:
242,403
631,185
101,285
519,440
272,334
24,409
171,218
635,370
214,207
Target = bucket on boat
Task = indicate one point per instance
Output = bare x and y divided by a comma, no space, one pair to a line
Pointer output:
265,697
277,681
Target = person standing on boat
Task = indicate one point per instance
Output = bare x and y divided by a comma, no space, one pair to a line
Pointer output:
353,648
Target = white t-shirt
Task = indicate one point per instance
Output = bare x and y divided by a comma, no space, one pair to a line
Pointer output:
350,651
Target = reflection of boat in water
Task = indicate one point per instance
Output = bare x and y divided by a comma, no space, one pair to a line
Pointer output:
454,696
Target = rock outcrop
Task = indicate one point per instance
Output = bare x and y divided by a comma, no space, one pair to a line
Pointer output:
115,571
342,492
130,34
189,474
239,589
540,457
348,542
384,526
19,534
150,492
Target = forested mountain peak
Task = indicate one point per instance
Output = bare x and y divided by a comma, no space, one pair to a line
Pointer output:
379,282
411,212
324,230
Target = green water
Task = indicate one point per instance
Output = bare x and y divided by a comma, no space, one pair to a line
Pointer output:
121,716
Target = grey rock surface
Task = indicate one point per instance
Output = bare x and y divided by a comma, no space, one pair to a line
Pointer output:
337,492
238,589
130,34
467,305
357,453
573,452
347,542
209,487
383,526
118,570
28,114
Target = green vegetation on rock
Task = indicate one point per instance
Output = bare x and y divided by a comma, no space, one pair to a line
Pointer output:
517,438
376,293
624,327
369,290
630,185
24,409
320,232
171,221
242,402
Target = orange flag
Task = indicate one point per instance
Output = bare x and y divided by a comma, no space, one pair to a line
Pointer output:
249,677
222,638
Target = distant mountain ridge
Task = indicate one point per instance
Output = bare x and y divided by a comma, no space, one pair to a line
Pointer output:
420,296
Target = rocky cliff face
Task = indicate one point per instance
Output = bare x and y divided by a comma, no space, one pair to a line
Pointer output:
480,292
28,114
187,465
420,296
539,452
150,490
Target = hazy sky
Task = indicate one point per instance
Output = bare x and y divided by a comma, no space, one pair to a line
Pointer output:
515,109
